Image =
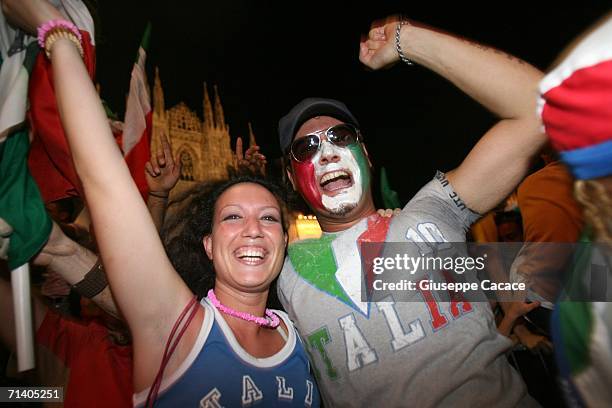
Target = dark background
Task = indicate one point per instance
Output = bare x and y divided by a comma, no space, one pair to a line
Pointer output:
265,56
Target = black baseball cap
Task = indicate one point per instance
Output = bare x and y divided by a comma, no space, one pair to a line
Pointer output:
309,108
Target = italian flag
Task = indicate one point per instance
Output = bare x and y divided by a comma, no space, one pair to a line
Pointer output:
49,159
138,118
24,223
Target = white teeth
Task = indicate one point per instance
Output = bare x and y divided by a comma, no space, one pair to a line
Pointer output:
333,175
250,253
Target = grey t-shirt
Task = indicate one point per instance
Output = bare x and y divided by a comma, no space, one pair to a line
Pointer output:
396,353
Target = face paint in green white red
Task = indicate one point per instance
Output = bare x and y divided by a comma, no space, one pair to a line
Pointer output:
336,178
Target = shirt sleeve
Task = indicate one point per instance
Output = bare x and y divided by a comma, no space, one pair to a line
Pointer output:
438,199
285,285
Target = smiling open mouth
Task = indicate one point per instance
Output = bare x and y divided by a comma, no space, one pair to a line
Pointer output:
250,255
336,180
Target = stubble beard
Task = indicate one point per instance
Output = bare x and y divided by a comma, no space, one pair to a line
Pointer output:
343,210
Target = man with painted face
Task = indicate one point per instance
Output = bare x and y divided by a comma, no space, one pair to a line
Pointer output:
418,350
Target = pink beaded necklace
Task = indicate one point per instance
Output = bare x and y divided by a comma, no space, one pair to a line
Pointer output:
271,320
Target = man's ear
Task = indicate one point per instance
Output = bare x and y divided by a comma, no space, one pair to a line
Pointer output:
208,247
365,150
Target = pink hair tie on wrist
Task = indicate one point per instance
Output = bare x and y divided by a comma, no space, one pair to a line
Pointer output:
53,30
51,25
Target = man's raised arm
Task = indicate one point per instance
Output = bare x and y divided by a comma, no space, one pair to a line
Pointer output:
505,85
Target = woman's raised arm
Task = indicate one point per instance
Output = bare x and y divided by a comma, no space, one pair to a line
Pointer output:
148,291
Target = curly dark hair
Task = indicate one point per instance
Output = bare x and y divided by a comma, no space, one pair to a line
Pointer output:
183,236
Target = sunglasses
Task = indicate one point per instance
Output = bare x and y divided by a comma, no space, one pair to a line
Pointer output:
342,135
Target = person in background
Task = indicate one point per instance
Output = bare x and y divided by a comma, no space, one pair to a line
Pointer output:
162,172
509,226
552,221
575,105
84,356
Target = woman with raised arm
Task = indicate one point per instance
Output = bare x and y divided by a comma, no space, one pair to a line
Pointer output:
227,350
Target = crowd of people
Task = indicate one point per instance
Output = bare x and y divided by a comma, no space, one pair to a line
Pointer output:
216,308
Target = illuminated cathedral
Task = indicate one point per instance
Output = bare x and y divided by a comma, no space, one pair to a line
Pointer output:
204,149
202,146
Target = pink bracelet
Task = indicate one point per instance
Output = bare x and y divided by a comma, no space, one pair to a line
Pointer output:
51,25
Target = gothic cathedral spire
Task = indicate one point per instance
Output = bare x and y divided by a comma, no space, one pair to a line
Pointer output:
208,112
219,115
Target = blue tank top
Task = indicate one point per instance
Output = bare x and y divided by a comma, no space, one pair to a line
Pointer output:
218,372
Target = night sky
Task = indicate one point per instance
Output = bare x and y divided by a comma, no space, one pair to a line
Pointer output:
265,56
